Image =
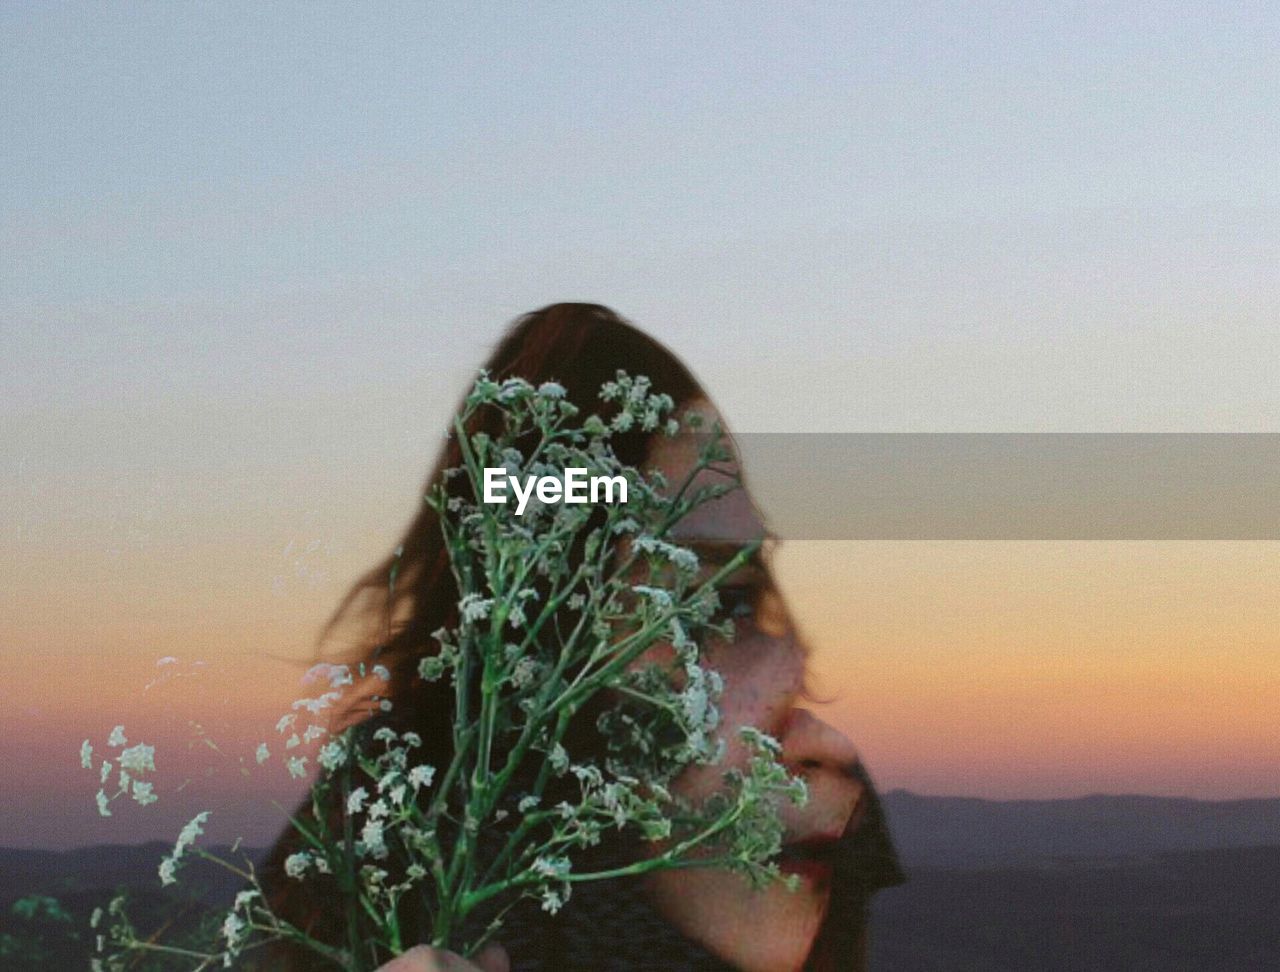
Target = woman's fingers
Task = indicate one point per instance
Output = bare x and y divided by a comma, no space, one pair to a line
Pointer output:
424,958
493,958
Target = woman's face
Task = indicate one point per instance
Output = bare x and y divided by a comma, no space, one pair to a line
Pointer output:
763,670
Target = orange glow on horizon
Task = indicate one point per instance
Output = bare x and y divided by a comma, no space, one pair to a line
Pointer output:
988,669
1042,669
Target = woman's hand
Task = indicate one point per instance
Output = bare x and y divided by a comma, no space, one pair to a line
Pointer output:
424,958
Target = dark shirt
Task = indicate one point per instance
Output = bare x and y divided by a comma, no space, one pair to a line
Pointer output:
611,927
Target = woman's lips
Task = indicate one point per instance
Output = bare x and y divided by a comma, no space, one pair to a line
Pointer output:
811,859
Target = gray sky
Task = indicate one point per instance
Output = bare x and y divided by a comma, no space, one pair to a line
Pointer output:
846,216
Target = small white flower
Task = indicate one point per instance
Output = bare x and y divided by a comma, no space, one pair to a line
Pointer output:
660,596
381,672
313,733
138,759
103,803
168,871
421,776
86,755
473,607
384,734
189,833
680,639
142,793
95,919
378,809
694,702
761,741
335,675
263,754
104,772
293,742
117,737
331,756
411,739
317,704
551,866
297,766
355,802
684,558
245,898
285,722
514,388
551,389
232,929
524,673
372,837
295,865
587,774
551,902
559,758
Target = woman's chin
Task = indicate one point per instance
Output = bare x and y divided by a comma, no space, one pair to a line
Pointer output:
769,930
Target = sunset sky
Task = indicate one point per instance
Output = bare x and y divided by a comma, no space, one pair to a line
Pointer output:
252,254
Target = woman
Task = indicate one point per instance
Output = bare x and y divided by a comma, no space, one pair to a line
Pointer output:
689,919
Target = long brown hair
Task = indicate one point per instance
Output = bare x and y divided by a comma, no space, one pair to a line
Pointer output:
580,346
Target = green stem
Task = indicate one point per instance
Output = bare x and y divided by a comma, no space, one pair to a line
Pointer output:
350,890
139,945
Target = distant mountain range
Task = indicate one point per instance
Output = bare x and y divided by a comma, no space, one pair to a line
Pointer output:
109,866
930,831
1095,883
967,832
1189,911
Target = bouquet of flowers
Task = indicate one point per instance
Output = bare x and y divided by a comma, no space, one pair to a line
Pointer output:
560,607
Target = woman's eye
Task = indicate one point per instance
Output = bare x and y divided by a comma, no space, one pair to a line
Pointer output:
738,601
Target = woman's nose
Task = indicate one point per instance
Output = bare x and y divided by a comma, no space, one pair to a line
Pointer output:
809,743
